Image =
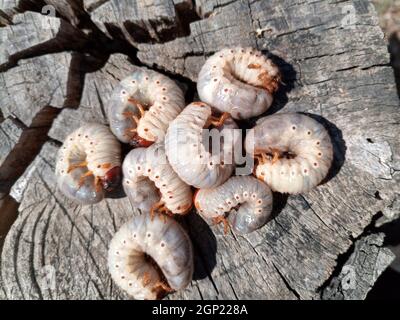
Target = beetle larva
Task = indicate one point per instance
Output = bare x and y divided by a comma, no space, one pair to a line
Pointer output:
294,152
142,106
88,163
186,149
151,184
150,257
240,81
251,197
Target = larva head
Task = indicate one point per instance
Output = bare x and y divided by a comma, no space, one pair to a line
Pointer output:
112,178
139,142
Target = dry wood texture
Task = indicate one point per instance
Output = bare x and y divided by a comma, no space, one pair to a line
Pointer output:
58,72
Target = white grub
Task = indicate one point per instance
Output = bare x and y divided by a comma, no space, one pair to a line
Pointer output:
88,163
188,152
294,152
149,181
240,81
142,106
245,200
149,257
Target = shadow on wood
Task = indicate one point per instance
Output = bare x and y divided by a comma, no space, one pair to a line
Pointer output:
204,245
339,146
288,80
280,200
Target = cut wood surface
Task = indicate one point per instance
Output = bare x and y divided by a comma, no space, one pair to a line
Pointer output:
335,67
361,270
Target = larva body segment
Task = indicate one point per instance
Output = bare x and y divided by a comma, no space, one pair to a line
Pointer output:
294,152
187,150
240,81
251,198
149,179
142,106
88,163
146,252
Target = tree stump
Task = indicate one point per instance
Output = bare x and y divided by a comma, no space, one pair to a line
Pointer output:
58,71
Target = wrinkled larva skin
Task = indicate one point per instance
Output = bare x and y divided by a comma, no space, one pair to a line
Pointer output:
161,98
96,145
149,178
187,154
302,136
240,81
168,245
252,196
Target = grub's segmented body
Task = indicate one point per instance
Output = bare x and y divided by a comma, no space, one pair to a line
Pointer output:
252,199
142,106
240,81
88,163
146,253
294,152
186,151
149,179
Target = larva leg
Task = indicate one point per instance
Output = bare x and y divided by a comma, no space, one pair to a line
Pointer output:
254,66
146,280
138,105
76,166
261,157
83,177
163,286
132,116
275,155
136,140
269,83
159,207
106,165
217,121
97,183
222,219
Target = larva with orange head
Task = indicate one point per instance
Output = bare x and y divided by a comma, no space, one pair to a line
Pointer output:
294,152
187,151
149,257
89,163
151,184
251,198
142,106
240,81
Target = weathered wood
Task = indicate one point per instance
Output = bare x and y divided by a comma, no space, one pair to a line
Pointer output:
335,67
143,21
18,147
95,95
9,8
26,62
361,270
